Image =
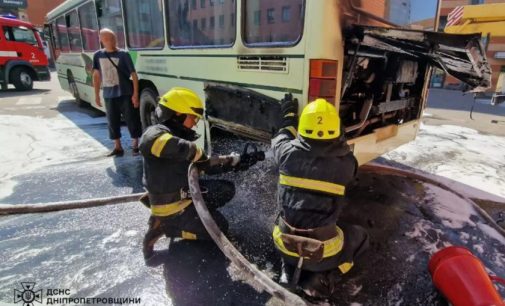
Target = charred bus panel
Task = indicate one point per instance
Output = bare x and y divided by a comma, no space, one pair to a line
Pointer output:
385,69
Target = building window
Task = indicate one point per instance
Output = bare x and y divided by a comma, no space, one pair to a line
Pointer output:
89,27
270,16
193,4
272,33
211,2
202,3
110,16
232,19
143,27
74,32
183,25
257,18
286,14
477,1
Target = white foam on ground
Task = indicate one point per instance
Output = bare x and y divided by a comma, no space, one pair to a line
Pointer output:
464,237
29,101
478,248
452,210
113,238
430,243
131,233
491,232
31,143
457,153
355,289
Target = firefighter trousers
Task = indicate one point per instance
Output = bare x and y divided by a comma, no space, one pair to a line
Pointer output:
187,224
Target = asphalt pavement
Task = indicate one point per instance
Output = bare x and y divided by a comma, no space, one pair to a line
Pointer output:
55,151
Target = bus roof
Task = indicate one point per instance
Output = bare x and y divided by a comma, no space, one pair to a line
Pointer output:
63,8
15,22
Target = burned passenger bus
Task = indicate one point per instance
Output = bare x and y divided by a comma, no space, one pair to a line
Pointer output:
371,59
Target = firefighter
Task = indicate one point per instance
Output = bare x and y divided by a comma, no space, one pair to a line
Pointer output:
168,149
315,166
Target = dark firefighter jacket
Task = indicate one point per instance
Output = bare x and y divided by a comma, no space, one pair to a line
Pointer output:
313,177
167,154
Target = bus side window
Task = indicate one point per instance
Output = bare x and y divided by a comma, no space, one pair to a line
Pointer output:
143,26
61,28
56,41
273,23
89,27
74,32
110,16
188,24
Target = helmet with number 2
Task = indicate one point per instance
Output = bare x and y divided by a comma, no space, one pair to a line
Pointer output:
319,120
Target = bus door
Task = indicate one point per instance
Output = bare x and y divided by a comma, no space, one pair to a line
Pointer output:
48,30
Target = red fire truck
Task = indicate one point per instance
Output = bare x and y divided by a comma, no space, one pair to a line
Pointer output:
22,57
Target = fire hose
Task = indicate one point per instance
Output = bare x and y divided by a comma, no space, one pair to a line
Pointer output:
12,209
257,277
254,275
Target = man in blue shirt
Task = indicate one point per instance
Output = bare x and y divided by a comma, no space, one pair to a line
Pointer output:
112,70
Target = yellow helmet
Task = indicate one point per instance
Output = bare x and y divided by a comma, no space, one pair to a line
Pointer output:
319,120
183,101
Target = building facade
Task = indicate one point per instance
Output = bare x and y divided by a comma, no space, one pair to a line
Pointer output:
33,11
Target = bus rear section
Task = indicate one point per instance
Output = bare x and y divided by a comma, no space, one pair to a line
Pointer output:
375,72
22,56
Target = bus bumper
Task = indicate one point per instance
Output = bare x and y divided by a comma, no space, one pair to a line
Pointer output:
43,73
383,140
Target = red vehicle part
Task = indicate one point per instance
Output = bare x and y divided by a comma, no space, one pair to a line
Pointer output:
22,57
462,278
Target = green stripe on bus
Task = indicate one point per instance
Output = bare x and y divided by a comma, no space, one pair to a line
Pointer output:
134,56
221,55
257,86
159,74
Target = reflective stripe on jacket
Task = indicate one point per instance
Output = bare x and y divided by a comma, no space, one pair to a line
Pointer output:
166,160
313,176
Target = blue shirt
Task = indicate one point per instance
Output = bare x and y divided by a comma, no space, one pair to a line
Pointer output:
115,83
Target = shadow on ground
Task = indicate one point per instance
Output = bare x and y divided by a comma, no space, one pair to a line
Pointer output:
9,93
197,273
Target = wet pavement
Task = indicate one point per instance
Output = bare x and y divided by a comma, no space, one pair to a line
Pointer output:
96,252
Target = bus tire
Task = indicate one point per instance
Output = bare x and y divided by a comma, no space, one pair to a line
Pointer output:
148,103
72,85
22,78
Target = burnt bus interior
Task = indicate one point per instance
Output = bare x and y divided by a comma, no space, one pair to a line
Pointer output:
380,87
385,72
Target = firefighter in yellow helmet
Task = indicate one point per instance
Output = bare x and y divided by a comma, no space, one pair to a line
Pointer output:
315,167
168,149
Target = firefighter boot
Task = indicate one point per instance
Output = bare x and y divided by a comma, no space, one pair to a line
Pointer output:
154,233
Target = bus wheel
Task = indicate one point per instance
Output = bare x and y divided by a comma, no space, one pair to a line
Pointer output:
72,85
148,105
22,79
